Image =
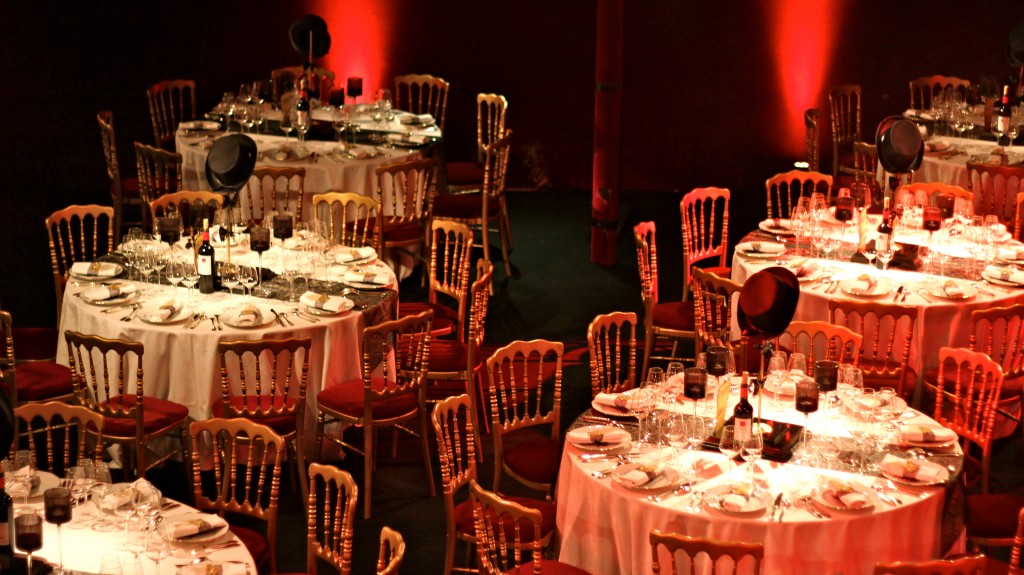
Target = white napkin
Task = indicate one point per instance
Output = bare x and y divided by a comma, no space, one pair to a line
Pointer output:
323,301
587,436
1015,276
952,289
870,283
917,469
735,500
641,475
926,432
95,269
100,293
377,278
165,311
619,400
346,255
117,498
762,247
410,138
19,489
805,268
938,146
920,114
844,493
1012,251
183,528
709,469
249,315
416,119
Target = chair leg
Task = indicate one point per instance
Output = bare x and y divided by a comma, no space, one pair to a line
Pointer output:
507,222
426,450
648,348
368,436
300,466
319,435
141,461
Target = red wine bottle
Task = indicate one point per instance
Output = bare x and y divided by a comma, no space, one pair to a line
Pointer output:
205,263
743,414
302,104
884,229
6,523
1003,114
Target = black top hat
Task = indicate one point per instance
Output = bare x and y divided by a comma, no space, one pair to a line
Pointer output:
1015,45
768,301
299,33
230,162
900,145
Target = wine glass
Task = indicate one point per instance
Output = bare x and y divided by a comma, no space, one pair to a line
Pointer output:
157,549
640,404
229,276
885,255
259,242
189,278
175,273
22,471
695,385
798,220
287,122
998,131
750,451
807,393
110,564
248,276
673,427
302,125
57,506
338,121
716,359
28,533
826,375
79,481
798,363
851,382
728,444
697,431
259,115
100,486
844,212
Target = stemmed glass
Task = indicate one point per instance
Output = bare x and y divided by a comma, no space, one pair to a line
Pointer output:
339,119
799,218
287,126
997,130
807,393
28,533
189,278
695,385
750,451
640,404
21,471
248,276
157,549
674,429
1014,128
301,123
885,255
175,273
57,505
798,363
697,431
100,487
826,375
229,276
79,481
259,242
728,444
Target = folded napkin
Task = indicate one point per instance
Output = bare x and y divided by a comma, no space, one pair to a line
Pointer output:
249,315
591,436
762,247
916,469
919,114
94,269
952,289
324,301
1013,251
377,278
165,311
619,400
1005,273
805,269
641,475
118,498
407,138
109,291
937,146
19,488
735,500
416,119
187,528
926,432
711,468
844,493
347,255
870,283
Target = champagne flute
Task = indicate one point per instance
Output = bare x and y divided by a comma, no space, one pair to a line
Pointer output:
28,533
57,506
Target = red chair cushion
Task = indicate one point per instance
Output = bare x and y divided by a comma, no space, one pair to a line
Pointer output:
130,187
35,343
674,315
463,207
464,517
535,459
157,414
465,174
993,515
255,542
548,567
282,424
37,380
445,318
447,355
347,398
400,233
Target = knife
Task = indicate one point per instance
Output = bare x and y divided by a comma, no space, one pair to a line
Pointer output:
775,507
277,316
898,292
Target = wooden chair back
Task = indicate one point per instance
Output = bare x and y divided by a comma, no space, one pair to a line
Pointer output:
925,192
7,360
330,517
409,339
998,332
970,565
69,434
865,163
246,458
694,547
77,234
170,103
785,189
888,333
450,249
422,94
1018,231
185,203
102,371
996,189
812,138
350,218
844,101
820,340
703,239
269,375
391,553
922,89
457,452
966,399
275,189
647,263
405,190
508,534
712,306
159,173
611,338
105,120
491,110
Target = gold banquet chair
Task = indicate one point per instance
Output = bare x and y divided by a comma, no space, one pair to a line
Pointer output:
922,89
170,103
887,332
350,219
391,553
611,339
844,101
970,565
330,516
124,192
422,94
275,190
819,340
784,190
77,234
491,110
184,204
451,245
159,173
996,189
405,192
30,381
69,434
737,552
703,238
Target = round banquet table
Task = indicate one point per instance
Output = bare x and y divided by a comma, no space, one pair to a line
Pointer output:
604,527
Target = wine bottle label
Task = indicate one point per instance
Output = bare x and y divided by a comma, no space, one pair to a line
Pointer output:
5,534
1002,124
741,429
205,265
882,243
302,117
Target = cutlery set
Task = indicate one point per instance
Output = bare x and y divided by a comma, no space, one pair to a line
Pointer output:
282,319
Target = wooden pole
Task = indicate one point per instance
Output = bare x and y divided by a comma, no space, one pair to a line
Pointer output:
607,105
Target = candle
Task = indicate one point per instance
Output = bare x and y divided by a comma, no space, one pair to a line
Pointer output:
282,226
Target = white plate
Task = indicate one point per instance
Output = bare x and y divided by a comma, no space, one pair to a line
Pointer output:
943,477
782,230
99,279
756,503
200,126
610,409
829,502
121,299
935,289
199,538
185,313
602,447
230,317
859,288
668,478
283,154
999,281
769,250
346,305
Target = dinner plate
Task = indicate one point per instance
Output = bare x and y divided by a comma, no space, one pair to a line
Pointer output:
769,250
998,281
967,290
930,445
185,313
200,126
859,288
667,479
603,447
165,525
230,317
782,229
609,409
943,478
96,278
121,299
756,503
346,305
283,154
826,499
364,286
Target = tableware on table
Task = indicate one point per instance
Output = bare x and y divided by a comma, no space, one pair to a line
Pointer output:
798,362
355,255
1009,276
189,279
727,443
599,438
79,480
165,312
248,316
110,564
806,398
248,277
640,403
374,277
322,304
95,271
866,286
760,250
695,385
781,227
111,294
750,452
229,276
653,476
844,496
951,289
21,475
192,528
157,549
674,429
259,242
28,534
612,404
736,499
200,126
57,508
698,429
914,472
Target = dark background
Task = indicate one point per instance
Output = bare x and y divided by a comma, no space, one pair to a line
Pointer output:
701,104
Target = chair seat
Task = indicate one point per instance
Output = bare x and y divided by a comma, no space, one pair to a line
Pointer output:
674,315
403,233
38,380
447,355
255,542
464,517
445,318
465,173
993,516
347,398
130,188
548,567
535,460
464,207
35,343
282,424
157,414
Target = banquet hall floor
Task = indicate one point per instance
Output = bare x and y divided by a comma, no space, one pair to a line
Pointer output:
555,295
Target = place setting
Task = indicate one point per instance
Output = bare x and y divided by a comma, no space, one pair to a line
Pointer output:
760,250
949,289
1005,276
600,439
318,304
110,294
866,286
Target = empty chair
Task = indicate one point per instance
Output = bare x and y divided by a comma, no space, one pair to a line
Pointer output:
844,101
819,340
159,173
925,192
970,565
922,89
611,339
524,424
712,304
391,553
30,381
811,137
705,215
696,549
77,234
422,94
66,435
1000,513
124,191
995,190
274,190
1018,230
865,164
170,103
405,192
784,190
351,219
246,479
451,245
184,203
490,127
330,516
888,333
999,333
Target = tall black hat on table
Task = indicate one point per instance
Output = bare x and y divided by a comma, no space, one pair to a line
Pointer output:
228,166
900,147
309,37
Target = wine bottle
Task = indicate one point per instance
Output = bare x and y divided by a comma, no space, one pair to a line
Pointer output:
1003,114
205,263
302,104
884,229
743,413
6,524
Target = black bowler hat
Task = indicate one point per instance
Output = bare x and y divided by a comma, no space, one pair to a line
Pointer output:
230,162
299,33
900,145
768,301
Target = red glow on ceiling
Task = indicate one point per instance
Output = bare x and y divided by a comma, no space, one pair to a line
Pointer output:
802,35
359,41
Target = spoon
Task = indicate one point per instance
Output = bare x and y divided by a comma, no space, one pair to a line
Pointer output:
681,490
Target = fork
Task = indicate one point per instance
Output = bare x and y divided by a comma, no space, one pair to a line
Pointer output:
886,496
681,490
808,506
131,314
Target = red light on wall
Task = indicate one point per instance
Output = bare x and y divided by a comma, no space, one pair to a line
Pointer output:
359,41
803,41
